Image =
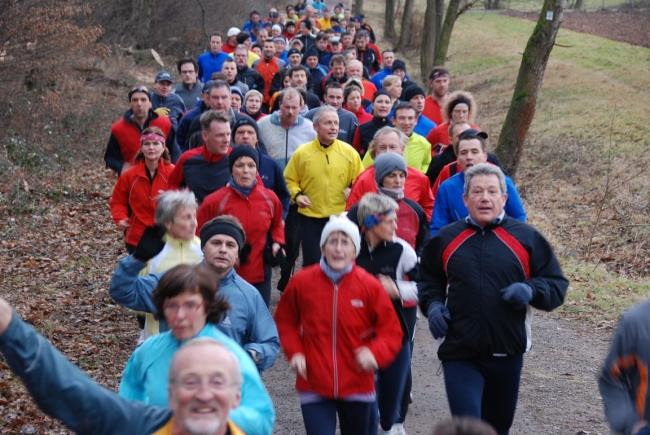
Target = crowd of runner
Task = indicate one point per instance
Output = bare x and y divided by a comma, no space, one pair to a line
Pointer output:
297,134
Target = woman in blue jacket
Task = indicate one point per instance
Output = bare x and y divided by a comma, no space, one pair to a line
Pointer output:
186,298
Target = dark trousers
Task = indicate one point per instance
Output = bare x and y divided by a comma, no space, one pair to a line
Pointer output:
411,315
484,388
292,248
311,229
264,287
355,418
390,385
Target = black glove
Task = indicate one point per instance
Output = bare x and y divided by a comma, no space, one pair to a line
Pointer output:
517,294
438,315
150,243
270,259
244,253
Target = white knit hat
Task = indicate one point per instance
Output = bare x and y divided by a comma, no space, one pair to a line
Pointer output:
345,225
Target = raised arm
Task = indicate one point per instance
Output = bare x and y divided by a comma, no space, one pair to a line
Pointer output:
63,391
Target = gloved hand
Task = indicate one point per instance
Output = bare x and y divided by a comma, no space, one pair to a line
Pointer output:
438,315
150,243
517,294
645,430
162,111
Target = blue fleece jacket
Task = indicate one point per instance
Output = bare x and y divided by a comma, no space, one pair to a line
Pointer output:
63,391
249,323
145,379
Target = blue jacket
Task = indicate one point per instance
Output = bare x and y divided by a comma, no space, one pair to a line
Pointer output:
173,102
145,379
273,179
377,78
449,206
424,126
249,323
183,132
63,391
210,63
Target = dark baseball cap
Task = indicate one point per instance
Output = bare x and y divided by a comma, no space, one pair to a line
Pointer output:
164,76
470,132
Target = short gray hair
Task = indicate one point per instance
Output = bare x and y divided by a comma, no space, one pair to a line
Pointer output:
374,203
485,169
320,112
169,202
207,341
403,139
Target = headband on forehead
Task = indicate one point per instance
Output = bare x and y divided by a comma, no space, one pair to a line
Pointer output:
460,101
439,75
152,136
222,227
374,220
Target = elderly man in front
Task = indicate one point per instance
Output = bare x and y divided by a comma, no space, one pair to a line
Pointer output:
480,278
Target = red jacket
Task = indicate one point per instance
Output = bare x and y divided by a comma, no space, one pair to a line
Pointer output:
362,115
327,323
134,196
127,134
259,214
267,70
440,136
416,188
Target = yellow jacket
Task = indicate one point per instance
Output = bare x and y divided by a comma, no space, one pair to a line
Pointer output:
417,154
175,252
167,429
322,174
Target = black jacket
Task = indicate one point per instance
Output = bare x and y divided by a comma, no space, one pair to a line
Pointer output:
367,131
469,266
448,156
251,77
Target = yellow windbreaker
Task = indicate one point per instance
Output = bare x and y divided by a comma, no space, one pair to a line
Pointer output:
322,174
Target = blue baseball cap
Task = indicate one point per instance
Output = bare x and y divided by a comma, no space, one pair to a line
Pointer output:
164,76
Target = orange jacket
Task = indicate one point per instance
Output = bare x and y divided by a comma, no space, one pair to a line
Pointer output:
267,70
134,196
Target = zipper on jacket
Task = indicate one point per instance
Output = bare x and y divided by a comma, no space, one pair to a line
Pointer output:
327,158
482,317
336,369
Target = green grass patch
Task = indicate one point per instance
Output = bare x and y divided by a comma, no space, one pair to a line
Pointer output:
597,290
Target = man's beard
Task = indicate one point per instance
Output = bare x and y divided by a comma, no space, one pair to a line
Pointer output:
202,426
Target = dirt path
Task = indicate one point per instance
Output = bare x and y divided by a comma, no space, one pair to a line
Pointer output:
558,393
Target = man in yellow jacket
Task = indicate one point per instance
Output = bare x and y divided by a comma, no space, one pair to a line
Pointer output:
319,176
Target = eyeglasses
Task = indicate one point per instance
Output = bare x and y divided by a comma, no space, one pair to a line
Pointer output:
195,383
188,307
388,148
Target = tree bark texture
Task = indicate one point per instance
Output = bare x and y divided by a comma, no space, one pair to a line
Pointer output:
529,81
405,29
389,21
428,39
445,35
358,7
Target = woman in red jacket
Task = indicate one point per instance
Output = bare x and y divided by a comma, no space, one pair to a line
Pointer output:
133,202
337,326
260,212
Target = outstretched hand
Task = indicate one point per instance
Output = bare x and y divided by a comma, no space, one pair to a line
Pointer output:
6,314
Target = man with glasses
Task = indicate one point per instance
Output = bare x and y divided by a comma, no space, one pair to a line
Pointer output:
449,205
124,141
190,88
390,139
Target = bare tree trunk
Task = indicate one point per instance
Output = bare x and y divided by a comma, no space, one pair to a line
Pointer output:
578,4
428,39
445,35
405,30
358,7
439,12
389,21
531,72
